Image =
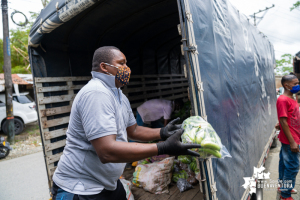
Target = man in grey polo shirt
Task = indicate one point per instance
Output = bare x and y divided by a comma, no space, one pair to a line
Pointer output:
101,122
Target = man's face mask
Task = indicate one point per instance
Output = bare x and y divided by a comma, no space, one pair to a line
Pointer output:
123,74
295,89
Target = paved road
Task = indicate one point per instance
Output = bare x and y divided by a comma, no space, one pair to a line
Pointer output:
24,178
272,167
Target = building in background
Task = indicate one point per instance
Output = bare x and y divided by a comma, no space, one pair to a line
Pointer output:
22,83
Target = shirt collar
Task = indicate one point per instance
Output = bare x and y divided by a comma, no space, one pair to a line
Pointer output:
107,79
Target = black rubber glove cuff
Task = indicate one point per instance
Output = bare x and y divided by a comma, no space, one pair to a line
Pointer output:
161,148
162,135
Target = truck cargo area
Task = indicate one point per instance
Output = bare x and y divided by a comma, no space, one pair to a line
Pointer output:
166,43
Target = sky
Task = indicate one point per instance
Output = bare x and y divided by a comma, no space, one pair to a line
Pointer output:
281,26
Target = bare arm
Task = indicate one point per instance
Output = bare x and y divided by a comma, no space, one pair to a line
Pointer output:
111,151
143,134
166,122
287,132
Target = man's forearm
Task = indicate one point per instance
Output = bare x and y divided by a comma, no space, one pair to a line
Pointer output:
145,134
122,152
286,130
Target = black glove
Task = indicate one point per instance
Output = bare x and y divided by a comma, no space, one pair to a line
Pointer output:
170,129
173,146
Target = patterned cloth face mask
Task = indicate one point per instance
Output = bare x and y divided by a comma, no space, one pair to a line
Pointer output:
123,74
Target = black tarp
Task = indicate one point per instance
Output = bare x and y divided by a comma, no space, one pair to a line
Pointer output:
145,31
236,64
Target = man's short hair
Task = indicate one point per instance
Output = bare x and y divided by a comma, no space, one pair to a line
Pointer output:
288,78
103,54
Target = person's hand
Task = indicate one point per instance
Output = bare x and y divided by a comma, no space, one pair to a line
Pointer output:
294,147
277,126
173,146
170,129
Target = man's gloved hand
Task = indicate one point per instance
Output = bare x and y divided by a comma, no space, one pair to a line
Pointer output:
170,129
173,146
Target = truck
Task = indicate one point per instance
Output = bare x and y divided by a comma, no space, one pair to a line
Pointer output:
204,51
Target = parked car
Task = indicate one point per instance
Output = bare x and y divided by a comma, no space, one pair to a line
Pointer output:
24,112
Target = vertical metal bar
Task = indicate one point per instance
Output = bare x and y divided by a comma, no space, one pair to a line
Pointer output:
190,78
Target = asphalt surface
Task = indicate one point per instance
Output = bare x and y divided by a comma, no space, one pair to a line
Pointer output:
271,166
24,178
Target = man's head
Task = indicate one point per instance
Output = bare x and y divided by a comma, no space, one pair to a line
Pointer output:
178,104
289,81
111,55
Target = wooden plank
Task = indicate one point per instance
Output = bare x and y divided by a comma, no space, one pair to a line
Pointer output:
52,170
141,89
138,193
54,158
62,79
55,145
157,81
173,191
157,94
57,133
55,122
59,88
55,111
157,75
56,99
198,196
45,142
176,96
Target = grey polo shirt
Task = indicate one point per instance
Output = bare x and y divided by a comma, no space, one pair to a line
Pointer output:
98,110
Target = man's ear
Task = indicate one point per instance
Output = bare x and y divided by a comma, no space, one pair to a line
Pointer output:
103,67
286,85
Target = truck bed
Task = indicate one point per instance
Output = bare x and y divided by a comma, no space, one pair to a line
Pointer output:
174,194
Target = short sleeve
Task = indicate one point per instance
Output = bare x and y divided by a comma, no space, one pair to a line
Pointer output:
132,120
282,108
167,110
97,112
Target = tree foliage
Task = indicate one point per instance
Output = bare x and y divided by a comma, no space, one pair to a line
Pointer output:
19,46
45,2
284,65
295,5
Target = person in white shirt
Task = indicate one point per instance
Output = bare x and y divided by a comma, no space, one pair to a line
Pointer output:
149,113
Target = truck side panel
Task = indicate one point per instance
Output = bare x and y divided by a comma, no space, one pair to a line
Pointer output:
236,63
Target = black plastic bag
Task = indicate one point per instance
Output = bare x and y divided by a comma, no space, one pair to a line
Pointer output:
183,185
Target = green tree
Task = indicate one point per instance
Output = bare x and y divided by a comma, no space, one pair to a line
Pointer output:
284,65
295,5
18,44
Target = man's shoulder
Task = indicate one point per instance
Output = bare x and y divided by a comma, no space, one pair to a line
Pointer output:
282,98
94,86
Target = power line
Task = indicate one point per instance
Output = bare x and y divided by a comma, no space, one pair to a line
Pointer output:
265,10
280,40
279,34
284,17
